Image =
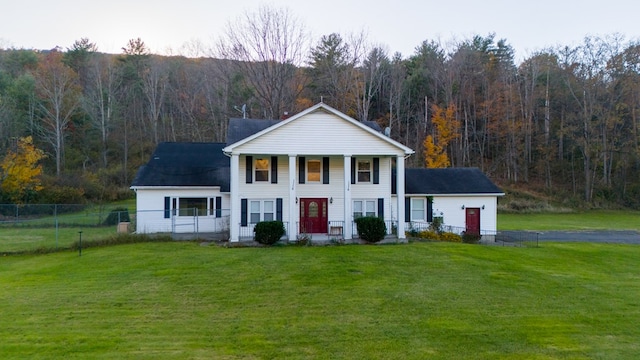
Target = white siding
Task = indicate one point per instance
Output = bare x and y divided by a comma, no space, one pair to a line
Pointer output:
334,190
150,211
450,208
319,133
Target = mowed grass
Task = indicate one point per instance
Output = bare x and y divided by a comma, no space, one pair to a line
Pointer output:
587,220
30,239
414,301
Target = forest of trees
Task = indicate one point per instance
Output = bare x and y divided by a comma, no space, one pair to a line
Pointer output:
563,121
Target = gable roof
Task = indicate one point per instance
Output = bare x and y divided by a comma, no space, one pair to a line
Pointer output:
235,132
186,164
243,128
448,181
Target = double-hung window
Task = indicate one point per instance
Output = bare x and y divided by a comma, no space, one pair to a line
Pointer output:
418,209
362,208
261,210
314,171
364,171
262,169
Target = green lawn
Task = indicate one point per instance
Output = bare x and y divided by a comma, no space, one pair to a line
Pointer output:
416,301
588,220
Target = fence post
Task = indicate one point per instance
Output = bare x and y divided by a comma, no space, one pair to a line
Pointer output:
197,225
56,221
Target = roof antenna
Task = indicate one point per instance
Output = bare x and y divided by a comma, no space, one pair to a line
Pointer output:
243,110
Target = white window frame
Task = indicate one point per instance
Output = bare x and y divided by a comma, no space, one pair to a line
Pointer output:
424,209
264,208
308,167
262,171
368,171
364,211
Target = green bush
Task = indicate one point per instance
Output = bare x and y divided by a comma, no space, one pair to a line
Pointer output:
371,228
269,232
116,216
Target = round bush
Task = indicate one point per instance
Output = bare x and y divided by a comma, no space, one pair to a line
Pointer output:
269,232
371,228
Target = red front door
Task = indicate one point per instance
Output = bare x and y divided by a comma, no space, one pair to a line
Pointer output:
313,215
473,221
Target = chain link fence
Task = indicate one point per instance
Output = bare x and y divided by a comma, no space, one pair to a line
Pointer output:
51,226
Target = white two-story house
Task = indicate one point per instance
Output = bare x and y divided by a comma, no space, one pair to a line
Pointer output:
316,172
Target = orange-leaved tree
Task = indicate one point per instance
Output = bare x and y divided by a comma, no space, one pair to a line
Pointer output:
445,129
21,171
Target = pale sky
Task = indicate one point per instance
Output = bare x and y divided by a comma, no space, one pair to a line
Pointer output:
400,25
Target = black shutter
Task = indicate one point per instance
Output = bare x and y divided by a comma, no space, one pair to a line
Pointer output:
325,170
243,212
381,208
249,169
353,170
301,169
167,207
218,206
407,209
429,209
376,170
279,209
274,169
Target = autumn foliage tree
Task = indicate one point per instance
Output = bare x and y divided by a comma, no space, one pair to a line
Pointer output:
21,170
445,129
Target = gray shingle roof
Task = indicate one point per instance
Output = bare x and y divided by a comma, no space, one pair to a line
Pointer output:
186,164
243,128
448,181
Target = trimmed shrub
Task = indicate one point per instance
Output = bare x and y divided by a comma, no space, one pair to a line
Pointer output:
371,229
450,237
117,215
269,232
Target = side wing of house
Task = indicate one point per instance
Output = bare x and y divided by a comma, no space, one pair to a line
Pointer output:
464,198
315,171
184,188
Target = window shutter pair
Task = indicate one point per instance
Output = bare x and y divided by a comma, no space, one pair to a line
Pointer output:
376,170
244,211
249,169
407,209
302,169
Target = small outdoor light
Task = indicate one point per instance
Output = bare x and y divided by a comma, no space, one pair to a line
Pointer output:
482,207
462,207
296,199
331,200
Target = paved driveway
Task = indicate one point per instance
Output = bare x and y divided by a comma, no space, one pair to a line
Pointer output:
600,236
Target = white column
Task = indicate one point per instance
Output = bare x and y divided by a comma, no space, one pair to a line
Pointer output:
348,228
234,188
293,207
400,193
